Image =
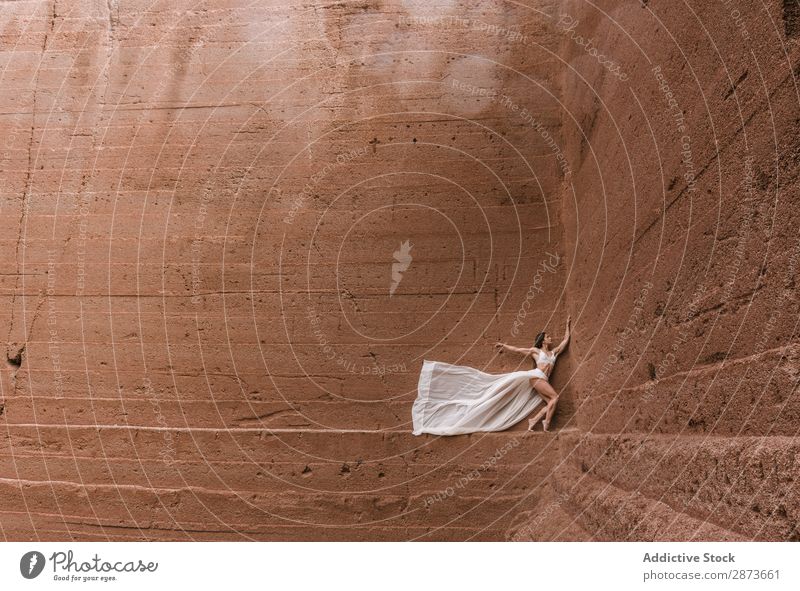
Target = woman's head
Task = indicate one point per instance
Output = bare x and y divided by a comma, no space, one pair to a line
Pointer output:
540,339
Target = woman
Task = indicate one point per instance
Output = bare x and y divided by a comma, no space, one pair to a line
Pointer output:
455,399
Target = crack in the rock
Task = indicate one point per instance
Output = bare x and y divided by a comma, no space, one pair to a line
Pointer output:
29,172
266,415
113,21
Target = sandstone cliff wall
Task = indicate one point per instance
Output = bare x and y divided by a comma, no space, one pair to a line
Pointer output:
681,220
233,231
214,327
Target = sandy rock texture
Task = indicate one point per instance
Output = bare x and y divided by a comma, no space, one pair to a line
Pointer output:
680,227
234,230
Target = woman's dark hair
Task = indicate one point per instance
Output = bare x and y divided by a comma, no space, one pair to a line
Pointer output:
539,340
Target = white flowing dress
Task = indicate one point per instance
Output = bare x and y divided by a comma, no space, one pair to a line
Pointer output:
456,399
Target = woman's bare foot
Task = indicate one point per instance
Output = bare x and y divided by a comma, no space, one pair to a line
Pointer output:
539,416
545,424
532,422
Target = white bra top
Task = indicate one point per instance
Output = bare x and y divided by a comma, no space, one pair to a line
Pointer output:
545,358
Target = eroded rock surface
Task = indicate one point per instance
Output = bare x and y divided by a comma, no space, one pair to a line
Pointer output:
234,231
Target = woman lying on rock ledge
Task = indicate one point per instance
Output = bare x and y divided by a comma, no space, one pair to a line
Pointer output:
456,399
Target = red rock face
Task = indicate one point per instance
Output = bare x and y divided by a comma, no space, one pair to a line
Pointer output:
683,251
233,234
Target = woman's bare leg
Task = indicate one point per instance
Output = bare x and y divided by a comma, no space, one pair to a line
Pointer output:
546,391
545,396
551,409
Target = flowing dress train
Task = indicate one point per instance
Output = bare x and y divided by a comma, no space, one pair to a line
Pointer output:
456,399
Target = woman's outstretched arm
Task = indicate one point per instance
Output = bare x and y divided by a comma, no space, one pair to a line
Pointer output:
563,344
502,346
